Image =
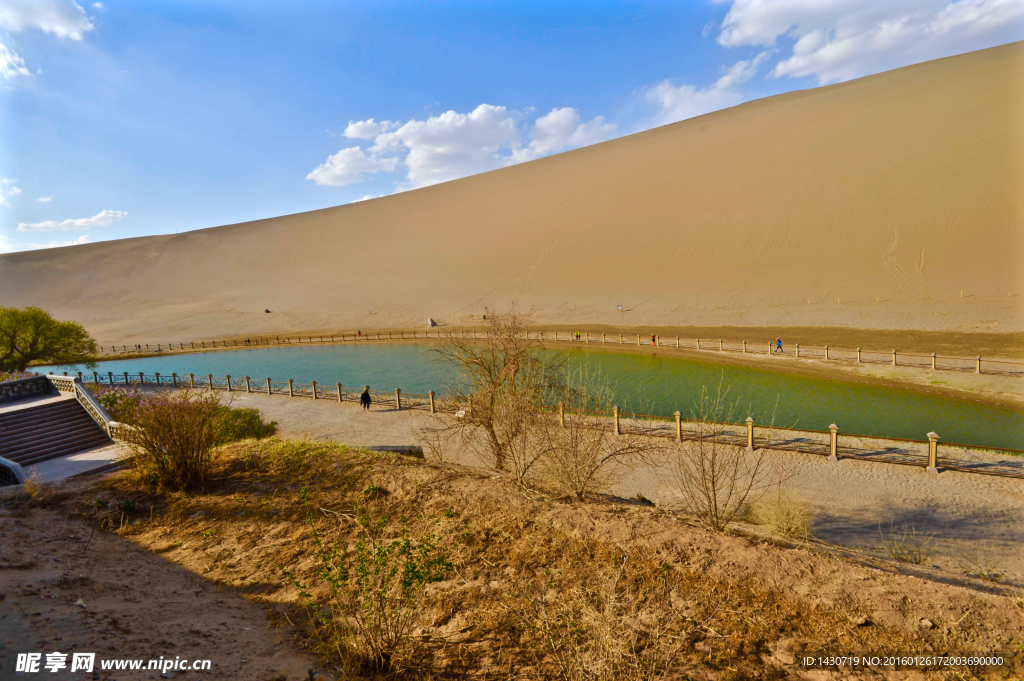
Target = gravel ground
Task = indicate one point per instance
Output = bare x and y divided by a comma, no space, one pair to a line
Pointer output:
968,522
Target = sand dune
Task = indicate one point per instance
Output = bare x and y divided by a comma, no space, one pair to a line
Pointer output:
802,209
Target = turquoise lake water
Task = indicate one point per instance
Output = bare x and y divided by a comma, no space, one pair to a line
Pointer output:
652,384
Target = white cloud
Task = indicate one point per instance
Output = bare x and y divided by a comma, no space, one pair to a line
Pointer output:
104,218
45,199
453,145
7,189
367,198
63,18
84,239
837,40
6,245
561,129
367,130
98,6
679,102
11,64
349,166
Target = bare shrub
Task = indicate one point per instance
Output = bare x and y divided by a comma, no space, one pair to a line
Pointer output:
372,592
504,385
715,477
173,436
582,455
906,545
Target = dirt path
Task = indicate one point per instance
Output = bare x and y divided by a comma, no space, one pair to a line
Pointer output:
67,588
970,522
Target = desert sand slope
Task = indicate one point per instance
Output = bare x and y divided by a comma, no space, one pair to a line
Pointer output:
799,209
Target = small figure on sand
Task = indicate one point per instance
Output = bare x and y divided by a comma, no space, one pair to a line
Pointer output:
654,339
266,311
364,399
778,345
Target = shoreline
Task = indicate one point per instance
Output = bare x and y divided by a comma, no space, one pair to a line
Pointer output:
1006,392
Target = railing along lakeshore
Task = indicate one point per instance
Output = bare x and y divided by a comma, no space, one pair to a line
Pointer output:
894,357
930,453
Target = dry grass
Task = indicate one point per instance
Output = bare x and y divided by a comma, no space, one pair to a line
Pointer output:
906,545
530,594
783,511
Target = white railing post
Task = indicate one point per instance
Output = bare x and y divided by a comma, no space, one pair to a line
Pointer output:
615,414
291,388
933,452
339,392
833,445
227,379
433,410
313,385
248,388
750,434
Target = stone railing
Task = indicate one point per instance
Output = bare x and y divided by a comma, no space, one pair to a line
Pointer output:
25,387
71,385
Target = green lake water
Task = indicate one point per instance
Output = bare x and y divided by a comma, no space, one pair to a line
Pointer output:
653,384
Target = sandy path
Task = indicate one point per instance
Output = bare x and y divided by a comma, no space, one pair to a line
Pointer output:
974,520
137,605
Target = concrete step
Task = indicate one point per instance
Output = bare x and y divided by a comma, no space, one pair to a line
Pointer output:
47,431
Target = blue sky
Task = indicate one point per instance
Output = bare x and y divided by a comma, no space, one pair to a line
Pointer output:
122,119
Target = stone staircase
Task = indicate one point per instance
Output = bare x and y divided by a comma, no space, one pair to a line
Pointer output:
47,429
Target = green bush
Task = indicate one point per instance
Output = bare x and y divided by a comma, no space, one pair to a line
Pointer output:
123,403
242,424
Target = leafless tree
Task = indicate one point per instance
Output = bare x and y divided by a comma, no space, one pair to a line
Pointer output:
503,388
714,475
582,453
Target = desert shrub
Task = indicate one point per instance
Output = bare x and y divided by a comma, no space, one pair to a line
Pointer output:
372,590
117,400
235,424
782,511
581,454
232,424
714,477
173,437
906,545
504,386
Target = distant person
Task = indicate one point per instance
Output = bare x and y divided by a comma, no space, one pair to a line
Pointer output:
265,311
654,339
778,345
364,399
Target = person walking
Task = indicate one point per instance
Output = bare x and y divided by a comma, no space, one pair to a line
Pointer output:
778,345
364,399
654,339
